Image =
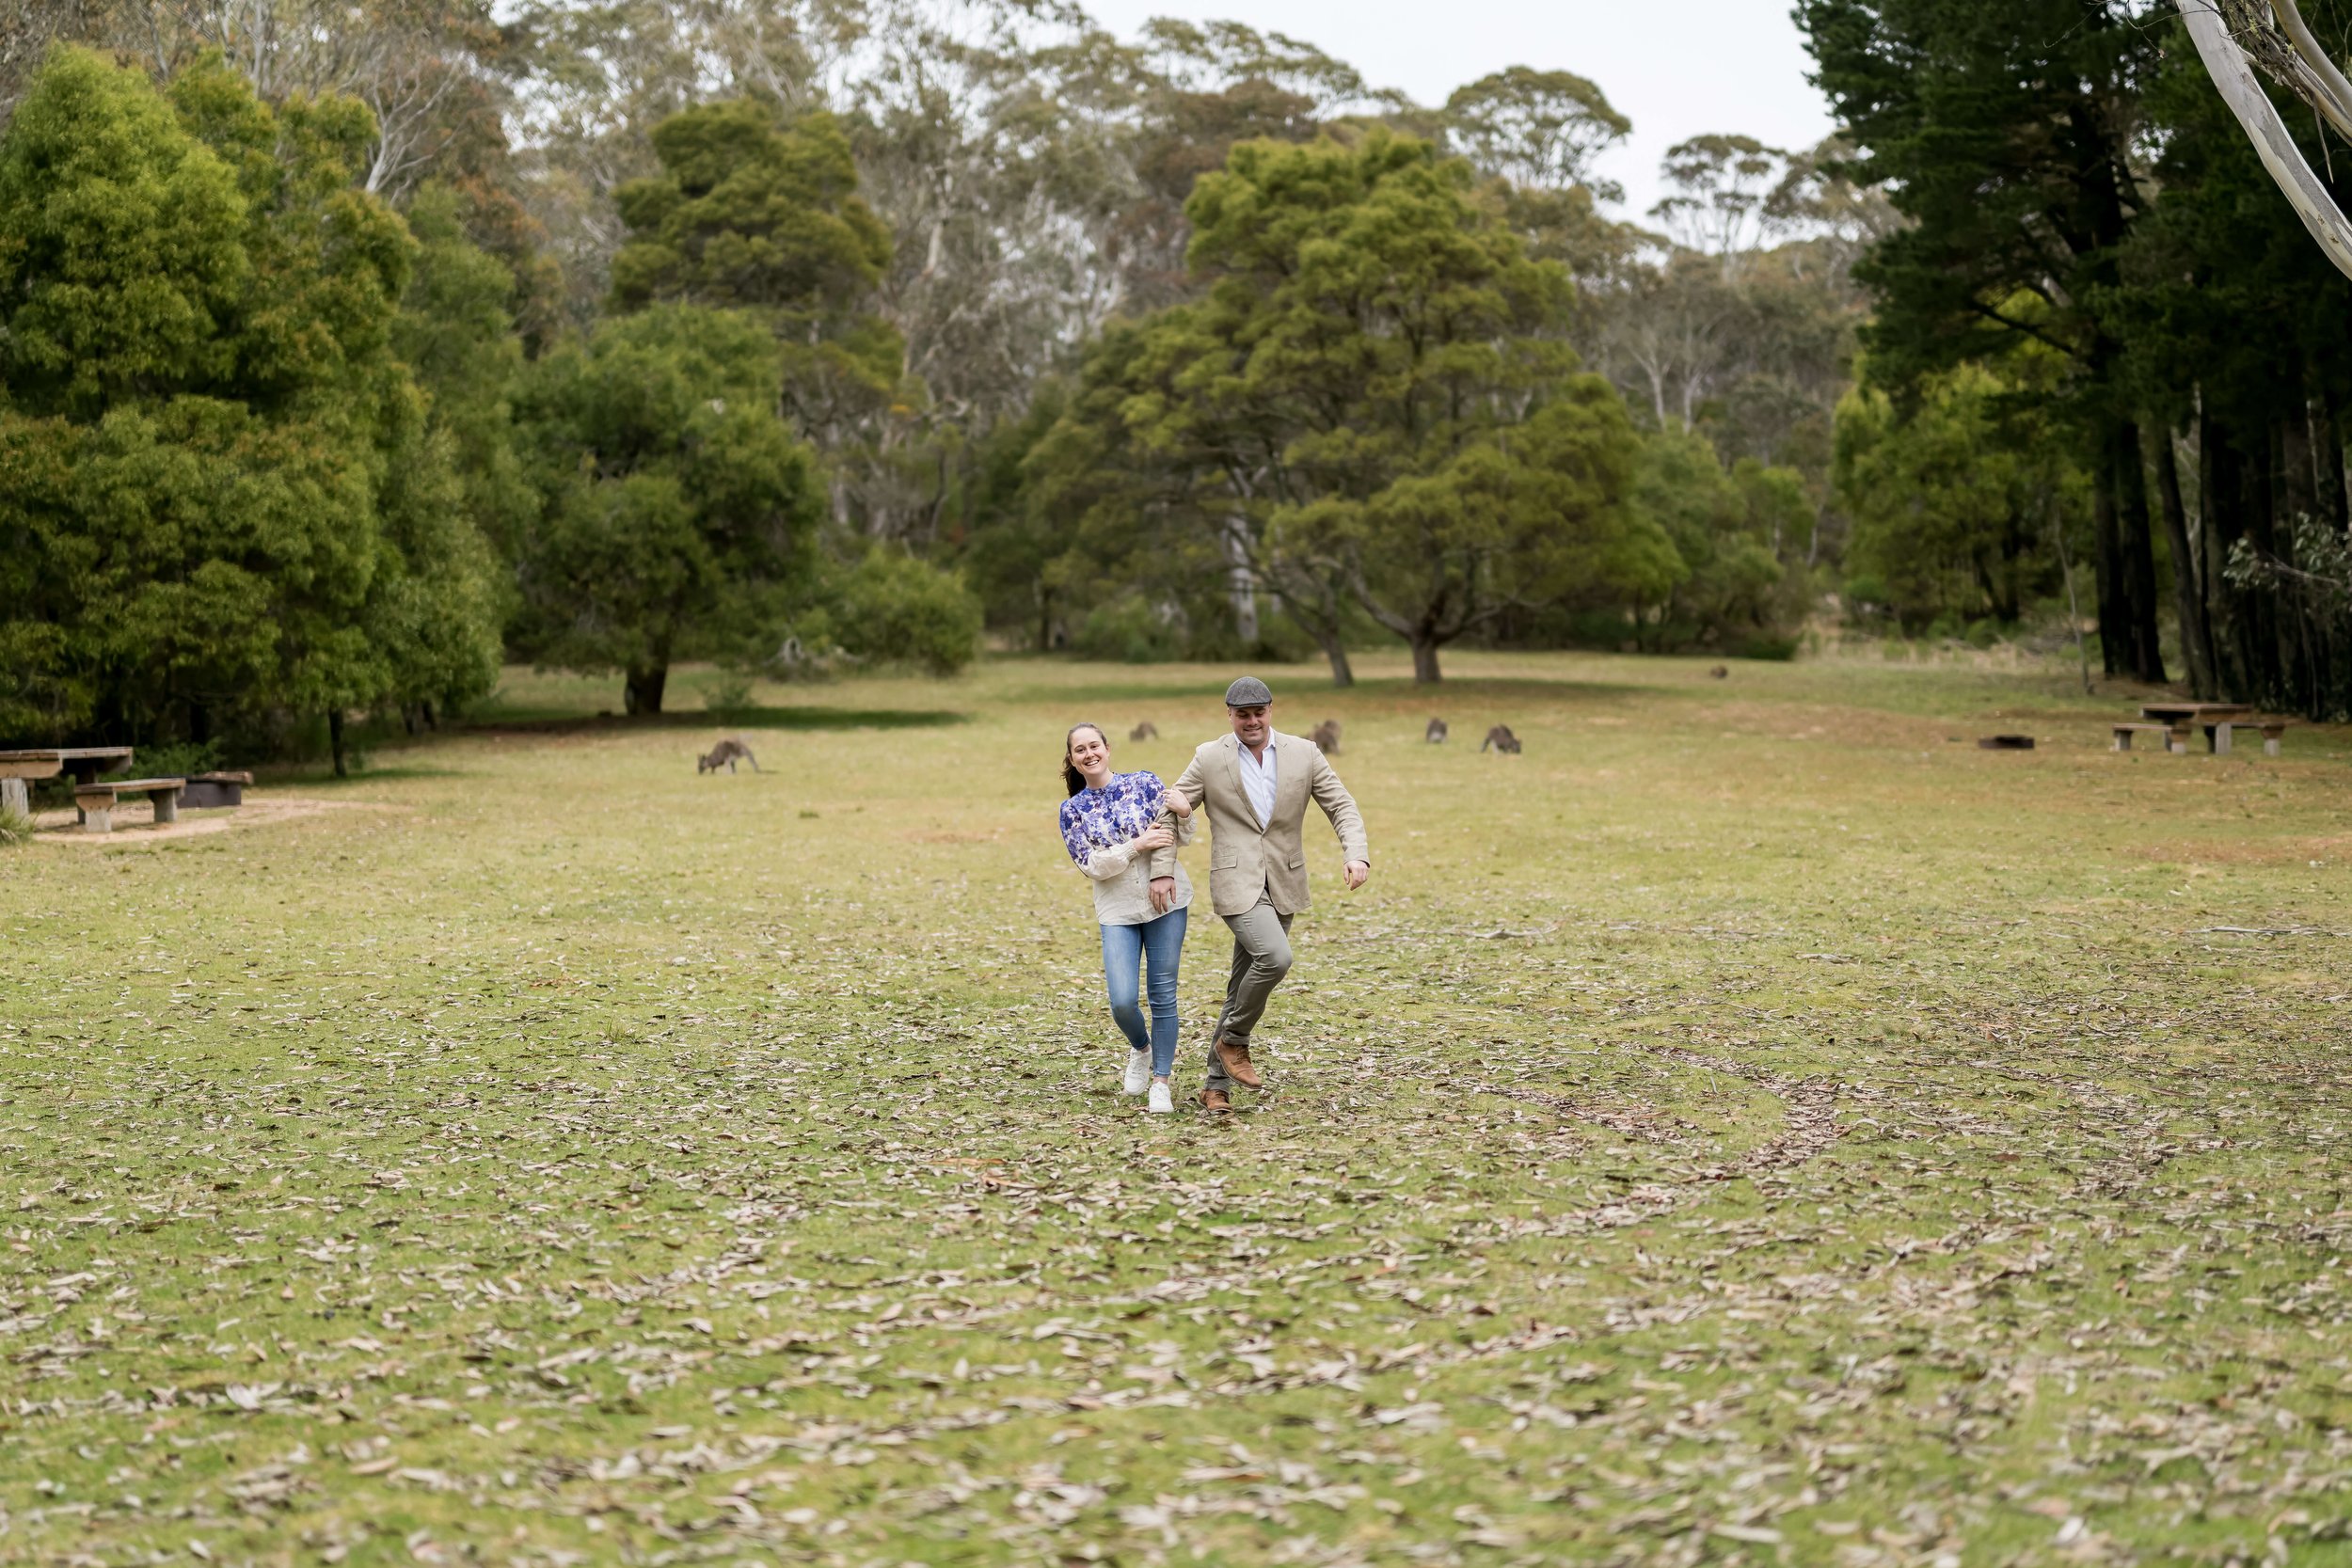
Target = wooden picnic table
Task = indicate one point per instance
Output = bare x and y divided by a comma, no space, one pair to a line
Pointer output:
85,763
2193,713
2215,718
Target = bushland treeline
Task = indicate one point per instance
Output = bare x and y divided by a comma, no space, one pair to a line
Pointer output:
2096,291
349,348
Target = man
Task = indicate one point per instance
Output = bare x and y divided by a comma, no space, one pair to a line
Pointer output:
1256,783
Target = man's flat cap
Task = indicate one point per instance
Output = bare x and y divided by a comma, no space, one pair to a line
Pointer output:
1248,691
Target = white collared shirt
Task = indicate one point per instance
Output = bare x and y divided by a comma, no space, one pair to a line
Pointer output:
1258,780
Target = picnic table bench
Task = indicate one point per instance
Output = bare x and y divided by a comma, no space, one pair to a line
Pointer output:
85,763
97,800
2175,735
215,789
2217,720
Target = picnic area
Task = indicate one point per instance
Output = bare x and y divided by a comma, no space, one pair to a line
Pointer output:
1752,1124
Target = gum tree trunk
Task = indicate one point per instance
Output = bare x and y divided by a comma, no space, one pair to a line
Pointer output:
640,692
2188,592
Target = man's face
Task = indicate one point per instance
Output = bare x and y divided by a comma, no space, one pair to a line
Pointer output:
1249,724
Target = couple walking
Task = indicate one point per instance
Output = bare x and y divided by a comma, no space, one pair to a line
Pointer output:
1123,831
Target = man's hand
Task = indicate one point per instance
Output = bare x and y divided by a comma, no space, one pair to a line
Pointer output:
1157,836
1163,893
1355,874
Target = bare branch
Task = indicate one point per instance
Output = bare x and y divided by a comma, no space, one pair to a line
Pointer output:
2233,77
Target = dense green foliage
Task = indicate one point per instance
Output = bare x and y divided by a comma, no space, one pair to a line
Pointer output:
962,234
752,216
225,501
678,505
1956,504
1372,402
2089,223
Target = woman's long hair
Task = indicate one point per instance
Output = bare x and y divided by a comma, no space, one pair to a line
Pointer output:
1072,779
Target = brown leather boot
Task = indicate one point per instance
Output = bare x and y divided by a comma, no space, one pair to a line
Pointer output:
1216,1101
1236,1055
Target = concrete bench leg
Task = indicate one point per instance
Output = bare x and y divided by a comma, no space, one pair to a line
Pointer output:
167,805
2270,745
16,796
2176,742
2220,734
2123,740
98,820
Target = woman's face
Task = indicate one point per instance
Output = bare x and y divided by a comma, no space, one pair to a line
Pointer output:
1089,753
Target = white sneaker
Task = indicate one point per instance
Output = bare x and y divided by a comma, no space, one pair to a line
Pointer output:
1138,1072
1162,1104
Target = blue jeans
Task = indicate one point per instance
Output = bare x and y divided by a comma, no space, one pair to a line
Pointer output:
1124,948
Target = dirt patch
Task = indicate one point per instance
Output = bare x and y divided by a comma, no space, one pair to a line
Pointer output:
2284,851
135,823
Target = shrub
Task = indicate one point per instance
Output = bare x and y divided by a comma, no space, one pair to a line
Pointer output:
728,692
1131,629
895,607
178,760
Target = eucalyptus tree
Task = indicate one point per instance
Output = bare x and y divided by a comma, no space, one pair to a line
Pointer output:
1370,402
2006,134
224,498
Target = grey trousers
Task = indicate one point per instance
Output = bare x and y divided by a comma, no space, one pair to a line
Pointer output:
1262,956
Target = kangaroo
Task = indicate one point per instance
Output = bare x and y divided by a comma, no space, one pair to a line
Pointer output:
725,755
1719,672
1326,738
1436,735
1502,740
1145,730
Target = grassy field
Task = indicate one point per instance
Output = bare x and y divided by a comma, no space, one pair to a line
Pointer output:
1748,1127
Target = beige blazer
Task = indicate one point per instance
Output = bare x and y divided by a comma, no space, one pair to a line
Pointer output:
1246,860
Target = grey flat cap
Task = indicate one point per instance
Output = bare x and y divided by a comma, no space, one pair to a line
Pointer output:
1248,691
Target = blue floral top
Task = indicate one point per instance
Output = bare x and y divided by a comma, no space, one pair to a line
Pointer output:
1110,816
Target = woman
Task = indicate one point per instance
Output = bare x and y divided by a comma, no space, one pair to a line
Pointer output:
1111,824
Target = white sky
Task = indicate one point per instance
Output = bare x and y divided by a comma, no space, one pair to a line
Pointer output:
1678,69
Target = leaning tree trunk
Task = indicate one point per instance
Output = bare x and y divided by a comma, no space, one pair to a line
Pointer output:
640,692
335,739
1334,650
2188,592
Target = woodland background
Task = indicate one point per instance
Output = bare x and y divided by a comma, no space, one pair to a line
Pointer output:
348,349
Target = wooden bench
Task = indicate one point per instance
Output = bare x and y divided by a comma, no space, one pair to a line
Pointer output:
97,800
2175,735
2272,729
215,789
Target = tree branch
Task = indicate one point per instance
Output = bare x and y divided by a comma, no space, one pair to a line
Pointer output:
2233,77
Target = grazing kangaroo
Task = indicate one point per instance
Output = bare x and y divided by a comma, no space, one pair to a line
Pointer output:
1145,730
1502,740
1435,734
726,754
1326,738
1719,672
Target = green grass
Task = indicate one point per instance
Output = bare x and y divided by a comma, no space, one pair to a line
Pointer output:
1747,1127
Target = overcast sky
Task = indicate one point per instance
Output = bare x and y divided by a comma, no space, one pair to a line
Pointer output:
1728,65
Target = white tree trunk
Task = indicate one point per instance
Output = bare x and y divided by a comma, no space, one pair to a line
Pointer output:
1242,583
2233,76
